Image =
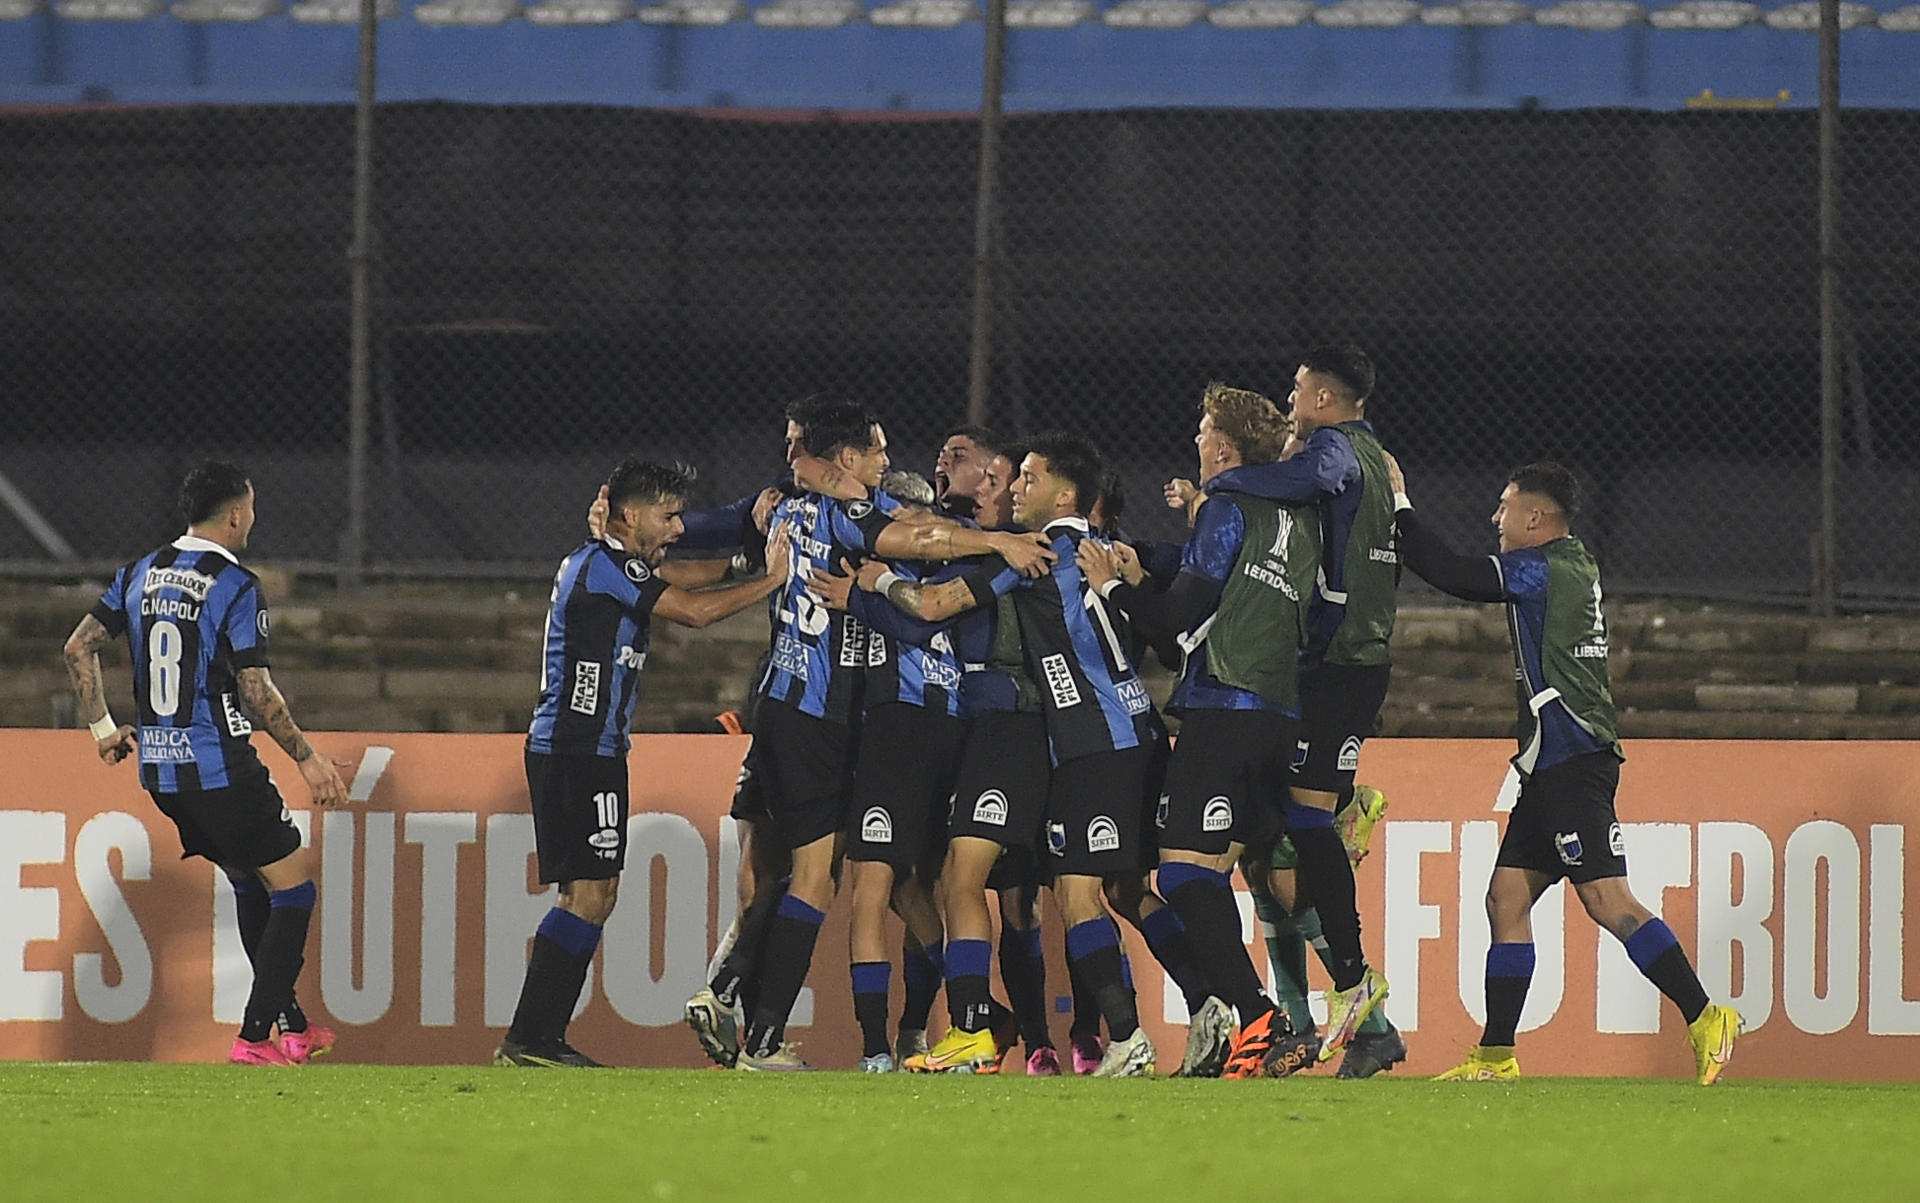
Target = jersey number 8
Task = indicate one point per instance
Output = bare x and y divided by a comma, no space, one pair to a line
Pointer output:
164,647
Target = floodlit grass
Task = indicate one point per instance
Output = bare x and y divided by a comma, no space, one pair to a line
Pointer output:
372,1133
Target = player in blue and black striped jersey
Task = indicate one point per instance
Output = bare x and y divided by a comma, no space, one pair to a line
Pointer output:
1102,730
1563,825
598,628
809,697
197,626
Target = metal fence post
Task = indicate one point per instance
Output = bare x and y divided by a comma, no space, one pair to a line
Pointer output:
353,544
980,361
1826,553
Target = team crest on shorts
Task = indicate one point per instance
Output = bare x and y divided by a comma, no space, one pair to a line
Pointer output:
1218,816
1160,812
1616,840
876,826
991,809
1103,834
638,572
1350,755
1300,750
1057,838
1567,844
606,840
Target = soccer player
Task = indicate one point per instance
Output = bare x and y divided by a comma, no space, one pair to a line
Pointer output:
196,624
958,468
1563,824
598,628
1101,729
802,751
1340,470
1238,606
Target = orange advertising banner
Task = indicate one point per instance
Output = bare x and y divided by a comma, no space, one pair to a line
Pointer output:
1783,867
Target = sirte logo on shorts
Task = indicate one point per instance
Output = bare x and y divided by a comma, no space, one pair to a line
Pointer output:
1218,815
1103,835
1350,754
991,809
876,826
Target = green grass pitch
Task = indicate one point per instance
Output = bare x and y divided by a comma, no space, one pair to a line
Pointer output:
372,1133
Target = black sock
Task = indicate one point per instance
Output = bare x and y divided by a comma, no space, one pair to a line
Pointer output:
871,980
1660,957
251,908
1094,949
1023,967
562,949
1171,945
739,963
922,970
1086,1011
783,970
1328,877
1509,973
1204,900
277,959
968,962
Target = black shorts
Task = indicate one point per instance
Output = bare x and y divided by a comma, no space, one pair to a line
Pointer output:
241,826
1339,710
1096,807
579,814
903,784
749,804
805,770
1563,824
1000,792
1227,781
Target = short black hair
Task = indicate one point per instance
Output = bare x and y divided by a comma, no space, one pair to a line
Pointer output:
645,482
1347,364
803,410
841,424
981,437
211,486
1553,481
1075,459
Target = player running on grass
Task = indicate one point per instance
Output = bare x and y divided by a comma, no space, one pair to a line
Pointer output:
598,628
197,625
1563,824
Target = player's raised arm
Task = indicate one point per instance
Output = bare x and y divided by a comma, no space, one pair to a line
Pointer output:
1468,577
114,743
263,702
701,608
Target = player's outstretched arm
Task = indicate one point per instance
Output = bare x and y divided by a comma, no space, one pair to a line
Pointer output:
1469,578
707,606
1029,554
261,699
114,743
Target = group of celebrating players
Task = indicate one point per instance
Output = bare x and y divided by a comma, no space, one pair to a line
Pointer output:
951,706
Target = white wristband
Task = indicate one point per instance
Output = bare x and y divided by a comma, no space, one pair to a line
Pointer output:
1107,589
1401,502
103,727
887,581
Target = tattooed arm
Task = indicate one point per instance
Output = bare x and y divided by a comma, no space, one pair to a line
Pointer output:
261,699
89,688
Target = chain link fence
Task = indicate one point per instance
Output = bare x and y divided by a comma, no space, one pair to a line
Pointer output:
1635,293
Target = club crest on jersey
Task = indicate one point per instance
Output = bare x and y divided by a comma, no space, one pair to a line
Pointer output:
1567,844
1160,812
1350,754
1218,815
1057,838
1616,840
638,572
1103,834
876,826
857,510
991,808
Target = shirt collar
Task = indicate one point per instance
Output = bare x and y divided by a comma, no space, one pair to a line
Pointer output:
196,543
1072,521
